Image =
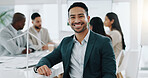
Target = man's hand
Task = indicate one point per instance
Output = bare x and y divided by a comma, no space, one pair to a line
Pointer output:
25,51
44,70
45,47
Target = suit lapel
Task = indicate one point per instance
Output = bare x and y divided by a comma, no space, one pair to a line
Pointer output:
89,48
90,45
69,51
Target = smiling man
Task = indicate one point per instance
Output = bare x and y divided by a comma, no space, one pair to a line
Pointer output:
84,54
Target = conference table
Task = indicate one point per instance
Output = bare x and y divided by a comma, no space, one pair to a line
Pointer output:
15,66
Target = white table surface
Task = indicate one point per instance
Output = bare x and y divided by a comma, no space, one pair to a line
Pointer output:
14,66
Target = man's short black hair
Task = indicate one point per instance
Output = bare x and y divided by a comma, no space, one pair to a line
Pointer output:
34,15
18,17
79,4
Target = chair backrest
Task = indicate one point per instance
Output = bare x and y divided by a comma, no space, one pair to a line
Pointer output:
118,60
124,62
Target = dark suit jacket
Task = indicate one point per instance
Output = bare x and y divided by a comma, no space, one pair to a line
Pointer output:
99,59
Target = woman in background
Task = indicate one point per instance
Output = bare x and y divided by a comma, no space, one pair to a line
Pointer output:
96,25
111,21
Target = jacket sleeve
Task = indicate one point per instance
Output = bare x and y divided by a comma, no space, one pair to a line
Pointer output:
108,60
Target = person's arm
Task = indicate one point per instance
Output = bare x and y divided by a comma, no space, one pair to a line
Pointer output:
44,70
108,60
33,46
25,51
11,45
49,40
44,65
45,47
116,37
37,47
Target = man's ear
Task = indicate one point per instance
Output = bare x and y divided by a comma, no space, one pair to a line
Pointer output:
88,18
32,21
68,21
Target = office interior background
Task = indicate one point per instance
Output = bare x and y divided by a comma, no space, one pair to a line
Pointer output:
133,17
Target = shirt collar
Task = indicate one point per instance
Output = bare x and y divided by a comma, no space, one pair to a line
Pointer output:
85,39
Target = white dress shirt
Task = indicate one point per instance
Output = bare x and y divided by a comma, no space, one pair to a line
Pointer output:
77,57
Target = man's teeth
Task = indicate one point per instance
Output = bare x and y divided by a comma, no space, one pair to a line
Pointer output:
77,25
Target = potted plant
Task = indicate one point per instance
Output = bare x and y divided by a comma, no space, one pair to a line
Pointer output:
5,17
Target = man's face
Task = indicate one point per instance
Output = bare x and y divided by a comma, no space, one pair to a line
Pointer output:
78,19
21,24
37,22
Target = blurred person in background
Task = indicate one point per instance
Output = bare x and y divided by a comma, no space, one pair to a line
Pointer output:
97,26
112,21
18,45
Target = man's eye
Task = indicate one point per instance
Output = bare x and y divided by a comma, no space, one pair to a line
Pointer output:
81,16
72,17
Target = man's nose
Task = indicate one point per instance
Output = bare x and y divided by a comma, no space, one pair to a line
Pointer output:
40,23
77,20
